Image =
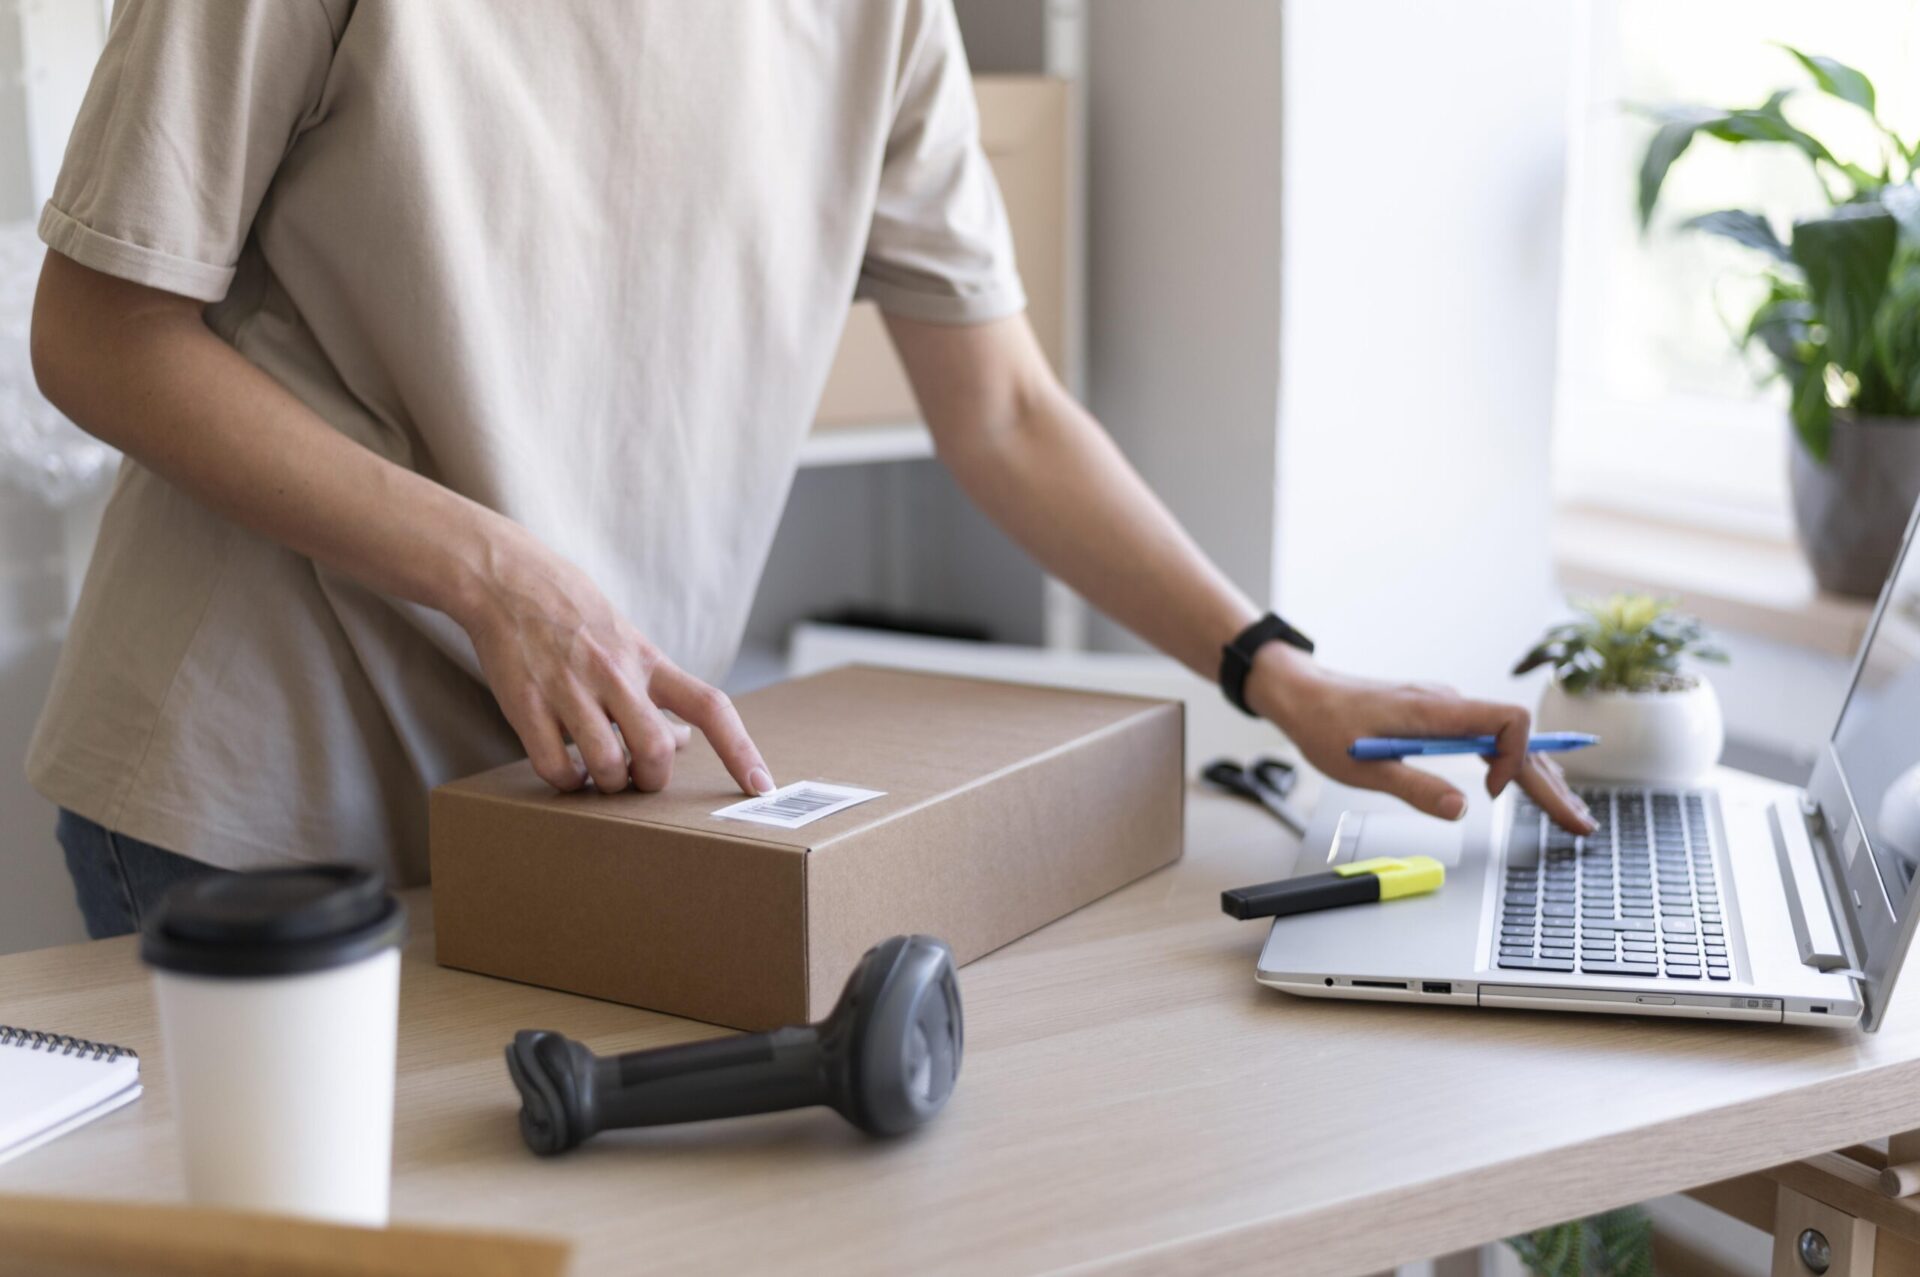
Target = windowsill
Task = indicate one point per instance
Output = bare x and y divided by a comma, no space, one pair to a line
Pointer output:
1757,585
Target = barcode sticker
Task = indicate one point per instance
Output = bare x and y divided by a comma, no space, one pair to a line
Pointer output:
800,803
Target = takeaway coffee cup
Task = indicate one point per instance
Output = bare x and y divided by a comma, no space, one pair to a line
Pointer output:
278,994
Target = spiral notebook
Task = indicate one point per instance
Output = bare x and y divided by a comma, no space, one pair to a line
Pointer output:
51,1084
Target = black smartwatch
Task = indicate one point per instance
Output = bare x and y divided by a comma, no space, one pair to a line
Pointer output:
1236,658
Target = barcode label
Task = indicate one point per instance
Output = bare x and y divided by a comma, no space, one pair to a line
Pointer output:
800,803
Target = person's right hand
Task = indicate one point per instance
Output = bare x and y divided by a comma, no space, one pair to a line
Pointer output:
1323,712
564,665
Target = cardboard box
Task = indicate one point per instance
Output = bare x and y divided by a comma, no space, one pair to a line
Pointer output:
1005,807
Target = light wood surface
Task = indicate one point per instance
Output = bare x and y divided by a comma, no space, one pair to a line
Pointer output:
62,1237
1131,1101
1850,1241
1900,1173
1833,1192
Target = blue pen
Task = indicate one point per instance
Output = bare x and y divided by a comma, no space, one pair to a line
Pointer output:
1373,749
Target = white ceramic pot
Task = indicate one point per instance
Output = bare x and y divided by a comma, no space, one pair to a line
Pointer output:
1646,738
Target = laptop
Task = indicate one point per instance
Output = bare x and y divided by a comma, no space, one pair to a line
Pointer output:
1748,902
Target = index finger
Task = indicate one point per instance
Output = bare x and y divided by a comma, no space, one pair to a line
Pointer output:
1509,725
710,709
1547,786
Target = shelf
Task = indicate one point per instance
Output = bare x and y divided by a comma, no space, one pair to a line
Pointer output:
1027,135
1756,585
863,445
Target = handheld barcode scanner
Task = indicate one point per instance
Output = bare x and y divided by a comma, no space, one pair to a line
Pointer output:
885,1057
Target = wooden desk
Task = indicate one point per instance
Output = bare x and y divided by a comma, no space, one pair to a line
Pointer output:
1131,1101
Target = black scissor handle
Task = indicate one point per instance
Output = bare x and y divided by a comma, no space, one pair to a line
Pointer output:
1267,782
1231,776
1276,774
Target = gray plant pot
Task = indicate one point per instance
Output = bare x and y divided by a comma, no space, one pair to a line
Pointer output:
1852,511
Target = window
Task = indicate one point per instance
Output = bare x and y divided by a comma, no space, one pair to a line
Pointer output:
1657,412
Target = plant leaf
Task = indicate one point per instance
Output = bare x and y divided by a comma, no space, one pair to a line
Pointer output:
1784,322
1618,1243
1809,410
1783,325
1623,1243
1837,78
1847,256
1544,654
1763,123
1896,338
1768,123
1628,642
1552,1252
1865,182
1741,227
1669,141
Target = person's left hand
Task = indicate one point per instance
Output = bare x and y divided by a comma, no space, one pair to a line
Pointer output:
1323,712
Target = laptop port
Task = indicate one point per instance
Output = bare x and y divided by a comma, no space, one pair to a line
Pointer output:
1436,986
1379,984
1818,1010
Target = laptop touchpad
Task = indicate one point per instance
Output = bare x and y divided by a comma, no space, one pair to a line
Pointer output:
1362,835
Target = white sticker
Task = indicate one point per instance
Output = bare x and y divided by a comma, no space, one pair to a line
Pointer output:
800,803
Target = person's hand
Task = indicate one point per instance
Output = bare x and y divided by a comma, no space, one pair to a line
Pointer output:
564,665
1324,712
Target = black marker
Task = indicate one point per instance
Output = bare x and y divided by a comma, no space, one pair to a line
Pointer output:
1361,883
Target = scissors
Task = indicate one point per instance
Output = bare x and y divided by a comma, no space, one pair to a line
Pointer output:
1265,780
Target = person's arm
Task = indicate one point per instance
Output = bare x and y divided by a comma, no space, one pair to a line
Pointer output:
139,369
1040,466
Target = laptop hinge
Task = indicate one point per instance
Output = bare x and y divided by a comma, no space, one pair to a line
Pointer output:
1807,902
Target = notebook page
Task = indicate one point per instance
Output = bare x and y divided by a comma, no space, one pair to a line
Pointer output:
42,1088
119,1099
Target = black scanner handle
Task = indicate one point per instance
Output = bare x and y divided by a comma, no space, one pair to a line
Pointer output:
886,1058
753,1073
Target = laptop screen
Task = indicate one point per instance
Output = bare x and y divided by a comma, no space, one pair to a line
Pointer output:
1877,740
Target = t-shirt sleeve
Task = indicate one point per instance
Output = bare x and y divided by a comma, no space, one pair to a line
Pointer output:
939,248
191,109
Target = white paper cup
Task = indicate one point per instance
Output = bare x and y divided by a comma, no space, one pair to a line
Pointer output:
278,995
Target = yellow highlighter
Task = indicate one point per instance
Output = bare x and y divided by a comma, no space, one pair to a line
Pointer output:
1361,883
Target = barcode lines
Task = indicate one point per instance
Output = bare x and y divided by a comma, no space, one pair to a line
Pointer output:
800,802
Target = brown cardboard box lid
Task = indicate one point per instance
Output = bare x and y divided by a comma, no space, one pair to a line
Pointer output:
918,737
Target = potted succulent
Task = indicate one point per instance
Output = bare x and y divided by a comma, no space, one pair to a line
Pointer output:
1619,672
1839,318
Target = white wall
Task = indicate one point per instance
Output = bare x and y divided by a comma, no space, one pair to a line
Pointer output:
1183,269
1420,229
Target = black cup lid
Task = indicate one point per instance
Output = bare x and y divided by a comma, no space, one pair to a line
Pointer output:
273,922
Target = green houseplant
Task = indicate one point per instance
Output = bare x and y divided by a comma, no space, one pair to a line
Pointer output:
1625,643
1618,1243
1839,317
1622,671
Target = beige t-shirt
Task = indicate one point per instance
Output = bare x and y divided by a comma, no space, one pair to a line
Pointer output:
585,262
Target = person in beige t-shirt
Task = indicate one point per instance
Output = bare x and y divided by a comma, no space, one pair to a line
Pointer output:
461,354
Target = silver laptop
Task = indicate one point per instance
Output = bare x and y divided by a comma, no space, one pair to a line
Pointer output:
1728,905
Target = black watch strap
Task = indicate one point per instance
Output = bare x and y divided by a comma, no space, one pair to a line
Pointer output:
1236,658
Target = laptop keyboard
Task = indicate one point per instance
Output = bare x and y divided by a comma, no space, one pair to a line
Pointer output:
1636,897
